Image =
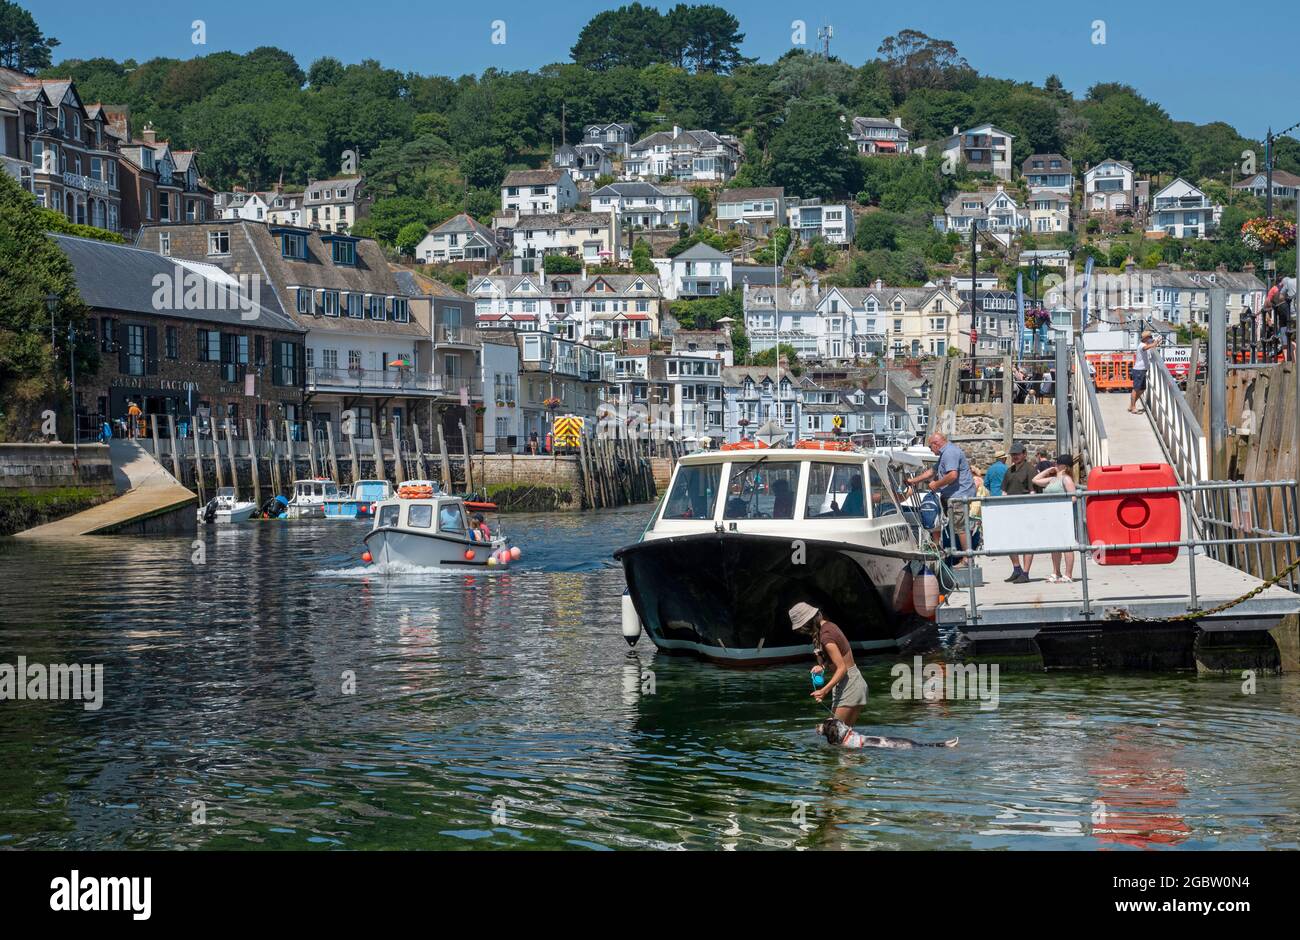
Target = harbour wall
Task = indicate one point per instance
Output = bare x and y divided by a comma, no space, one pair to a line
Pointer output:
40,483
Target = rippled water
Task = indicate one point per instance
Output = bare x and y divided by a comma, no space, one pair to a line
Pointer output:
504,710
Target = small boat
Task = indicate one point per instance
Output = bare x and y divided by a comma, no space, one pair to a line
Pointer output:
746,533
430,531
358,501
226,507
309,497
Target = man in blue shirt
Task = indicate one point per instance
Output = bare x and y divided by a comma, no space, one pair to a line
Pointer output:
997,470
950,478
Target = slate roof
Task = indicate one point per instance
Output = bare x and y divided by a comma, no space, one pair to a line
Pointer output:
533,177
702,252
558,220
120,277
463,223
753,192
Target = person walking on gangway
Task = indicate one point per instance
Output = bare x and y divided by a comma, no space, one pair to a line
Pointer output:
1140,365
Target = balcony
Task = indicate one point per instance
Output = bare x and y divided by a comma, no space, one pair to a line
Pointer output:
400,381
452,336
89,184
703,286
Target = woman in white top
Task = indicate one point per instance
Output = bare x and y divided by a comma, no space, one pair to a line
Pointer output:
1059,479
1140,364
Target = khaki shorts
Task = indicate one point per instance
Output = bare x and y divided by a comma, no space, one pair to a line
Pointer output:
957,513
851,691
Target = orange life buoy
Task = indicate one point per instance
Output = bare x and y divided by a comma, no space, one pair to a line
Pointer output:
823,445
744,445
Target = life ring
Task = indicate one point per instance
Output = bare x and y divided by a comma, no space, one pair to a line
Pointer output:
745,445
823,445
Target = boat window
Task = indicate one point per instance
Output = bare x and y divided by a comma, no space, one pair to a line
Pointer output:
388,515
451,518
762,490
419,516
694,492
883,502
835,491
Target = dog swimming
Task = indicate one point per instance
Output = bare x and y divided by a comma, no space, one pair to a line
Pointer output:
837,732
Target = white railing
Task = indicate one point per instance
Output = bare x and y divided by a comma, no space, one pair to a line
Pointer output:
1177,429
1092,428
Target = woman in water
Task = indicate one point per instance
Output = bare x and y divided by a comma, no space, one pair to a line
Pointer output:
845,685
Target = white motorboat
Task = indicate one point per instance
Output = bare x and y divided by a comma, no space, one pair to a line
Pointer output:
747,532
309,498
226,507
428,532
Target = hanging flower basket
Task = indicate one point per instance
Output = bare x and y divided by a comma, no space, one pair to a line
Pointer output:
743,422
1267,233
479,410
551,403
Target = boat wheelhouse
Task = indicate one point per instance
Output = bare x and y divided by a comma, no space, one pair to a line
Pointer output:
744,535
309,498
427,532
358,501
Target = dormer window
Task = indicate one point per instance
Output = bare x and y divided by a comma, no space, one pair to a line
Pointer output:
293,245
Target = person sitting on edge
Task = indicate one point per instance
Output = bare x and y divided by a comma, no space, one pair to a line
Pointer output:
480,532
847,688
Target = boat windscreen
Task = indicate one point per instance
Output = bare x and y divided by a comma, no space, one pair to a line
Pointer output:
834,491
762,490
695,492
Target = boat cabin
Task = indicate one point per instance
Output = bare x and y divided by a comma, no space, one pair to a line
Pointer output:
728,488
314,490
442,516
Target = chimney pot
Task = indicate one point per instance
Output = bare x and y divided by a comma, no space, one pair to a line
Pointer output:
898,122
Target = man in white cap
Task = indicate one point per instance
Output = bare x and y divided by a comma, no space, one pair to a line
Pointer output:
845,685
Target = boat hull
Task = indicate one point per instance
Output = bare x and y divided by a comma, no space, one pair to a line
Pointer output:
399,548
725,597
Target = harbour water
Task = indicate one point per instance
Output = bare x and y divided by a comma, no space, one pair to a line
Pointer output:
503,709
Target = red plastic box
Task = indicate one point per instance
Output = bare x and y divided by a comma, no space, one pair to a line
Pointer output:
1131,517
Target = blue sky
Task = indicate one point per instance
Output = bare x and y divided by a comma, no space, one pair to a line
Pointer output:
1201,61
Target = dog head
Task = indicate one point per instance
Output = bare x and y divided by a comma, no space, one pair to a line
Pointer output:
833,730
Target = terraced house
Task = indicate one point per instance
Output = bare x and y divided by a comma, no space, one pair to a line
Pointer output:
60,149
369,343
841,324
593,309
334,205
647,205
159,185
683,155
591,236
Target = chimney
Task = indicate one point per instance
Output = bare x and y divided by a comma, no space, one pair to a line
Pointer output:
1248,267
898,122
677,132
955,130
149,135
879,284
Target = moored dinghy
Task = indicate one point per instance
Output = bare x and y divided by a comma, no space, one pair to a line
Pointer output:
226,507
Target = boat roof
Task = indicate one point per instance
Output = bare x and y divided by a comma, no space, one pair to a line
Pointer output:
774,453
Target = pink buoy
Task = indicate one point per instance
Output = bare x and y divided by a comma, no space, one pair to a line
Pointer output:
515,553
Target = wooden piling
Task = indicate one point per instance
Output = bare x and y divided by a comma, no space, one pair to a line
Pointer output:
216,455
153,430
447,483
311,451
230,452
198,465
419,451
333,457
469,467
176,457
352,450
380,474
252,463
399,465
291,456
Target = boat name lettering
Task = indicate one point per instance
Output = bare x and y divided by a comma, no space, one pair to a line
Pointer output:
893,535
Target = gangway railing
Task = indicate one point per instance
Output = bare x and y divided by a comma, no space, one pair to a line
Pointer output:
1087,409
1176,427
1253,527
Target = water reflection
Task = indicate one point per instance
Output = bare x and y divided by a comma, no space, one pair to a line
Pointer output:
301,700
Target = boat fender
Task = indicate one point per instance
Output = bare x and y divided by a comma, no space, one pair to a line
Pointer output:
515,553
925,593
631,622
366,557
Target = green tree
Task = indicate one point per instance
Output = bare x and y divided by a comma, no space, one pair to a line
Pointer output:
876,230
22,44
409,236
484,167
642,260
32,375
811,155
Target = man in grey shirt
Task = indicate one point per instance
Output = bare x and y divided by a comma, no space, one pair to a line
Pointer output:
950,478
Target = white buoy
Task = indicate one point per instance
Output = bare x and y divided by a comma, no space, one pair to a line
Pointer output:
631,622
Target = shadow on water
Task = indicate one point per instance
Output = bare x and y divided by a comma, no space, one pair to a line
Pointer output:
297,699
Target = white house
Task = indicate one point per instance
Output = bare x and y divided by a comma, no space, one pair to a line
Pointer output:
683,155
701,271
985,148
1109,187
460,238
810,218
591,236
615,139
538,192
584,161
241,205
872,135
1285,185
1049,211
1182,210
646,205
1049,171
993,211
597,308
757,211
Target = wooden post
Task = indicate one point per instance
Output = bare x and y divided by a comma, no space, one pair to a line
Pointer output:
230,452
380,473
252,463
198,464
216,456
292,457
399,465
352,452
1009,403
419,451
176,457
153,429
333,457
447,483
469,466
311,450
274,457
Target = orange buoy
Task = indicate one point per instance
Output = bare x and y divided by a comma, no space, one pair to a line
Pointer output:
365,556
515,553
469,554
